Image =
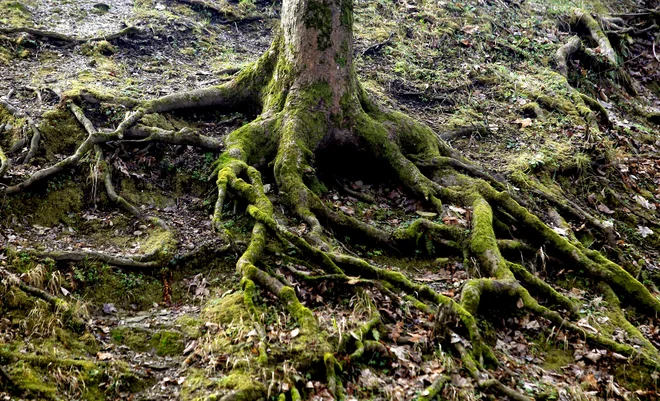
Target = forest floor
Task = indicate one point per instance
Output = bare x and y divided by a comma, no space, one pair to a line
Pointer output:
156,333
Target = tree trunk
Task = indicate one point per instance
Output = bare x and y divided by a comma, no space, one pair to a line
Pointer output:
318,46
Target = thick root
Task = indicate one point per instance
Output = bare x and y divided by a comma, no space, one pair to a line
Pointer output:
572,46
604,269
138,261
34,142
182,137
56,36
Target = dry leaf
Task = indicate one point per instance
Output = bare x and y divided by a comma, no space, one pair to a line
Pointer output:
605,209
524,122
644,231
104,356
396,332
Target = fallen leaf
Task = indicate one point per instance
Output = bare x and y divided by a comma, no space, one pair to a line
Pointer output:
524,122
593,356
470,29
604,209
104,356
400,352
644,231
644,203
396,332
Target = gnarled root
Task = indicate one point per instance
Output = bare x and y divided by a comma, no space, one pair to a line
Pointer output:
56,36
293,126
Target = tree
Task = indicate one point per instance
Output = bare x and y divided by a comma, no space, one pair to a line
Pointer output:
311,112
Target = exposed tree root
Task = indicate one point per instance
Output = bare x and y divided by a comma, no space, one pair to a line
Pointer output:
572,46
4,163
571,208
56,36
184,136
297,122
434,389
479,129
585,21
34,142
138,262
123,203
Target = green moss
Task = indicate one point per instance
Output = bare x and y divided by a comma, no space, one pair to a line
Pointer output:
319,16
30,381
633,377
197,384
57,205
15,13
483,243
157,120
556,359
61,132
163,242
12,128
167,343
135,338
98,48
227,309
190,326
148,195
162,342
106,285
246,387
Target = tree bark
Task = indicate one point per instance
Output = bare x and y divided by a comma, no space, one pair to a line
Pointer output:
318,45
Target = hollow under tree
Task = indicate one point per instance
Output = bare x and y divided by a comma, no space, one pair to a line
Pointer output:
312,111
